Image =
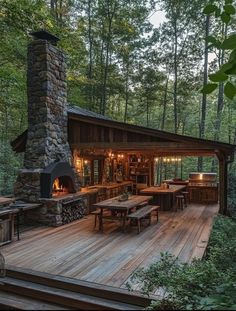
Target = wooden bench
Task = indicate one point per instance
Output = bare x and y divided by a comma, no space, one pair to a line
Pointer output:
143,213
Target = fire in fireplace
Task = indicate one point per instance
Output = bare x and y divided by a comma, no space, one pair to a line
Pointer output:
61,186
57,179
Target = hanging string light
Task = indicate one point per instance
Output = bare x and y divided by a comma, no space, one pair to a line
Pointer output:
171,159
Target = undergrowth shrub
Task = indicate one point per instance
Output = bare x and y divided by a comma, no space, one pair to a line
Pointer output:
207,284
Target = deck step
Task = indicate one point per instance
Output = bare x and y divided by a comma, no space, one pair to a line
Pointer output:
11,301
110,293
62,297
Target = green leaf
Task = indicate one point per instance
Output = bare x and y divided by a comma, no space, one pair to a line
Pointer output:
211,39
209,88
232,57
210,8
225,18
218,77
217,12
214,41
229,90
229,43
228,1
231,71
226,66
229,9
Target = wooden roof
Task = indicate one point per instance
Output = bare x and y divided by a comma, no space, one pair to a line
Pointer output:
87,129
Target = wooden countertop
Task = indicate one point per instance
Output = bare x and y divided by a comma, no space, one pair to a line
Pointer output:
18,207
6,201
156,189
110,185
176,182
84,191
8,211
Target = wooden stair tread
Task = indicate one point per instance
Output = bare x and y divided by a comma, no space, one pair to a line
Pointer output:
17,302
80,286
63,297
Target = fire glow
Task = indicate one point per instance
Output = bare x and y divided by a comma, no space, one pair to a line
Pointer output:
58,188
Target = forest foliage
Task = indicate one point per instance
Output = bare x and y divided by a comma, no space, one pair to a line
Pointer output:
121,65
208,284
177,76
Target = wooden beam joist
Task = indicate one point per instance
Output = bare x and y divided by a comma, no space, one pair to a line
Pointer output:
158,146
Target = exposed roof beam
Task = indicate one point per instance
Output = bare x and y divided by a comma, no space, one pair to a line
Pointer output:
160,147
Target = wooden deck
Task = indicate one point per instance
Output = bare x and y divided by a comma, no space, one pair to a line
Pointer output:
78,250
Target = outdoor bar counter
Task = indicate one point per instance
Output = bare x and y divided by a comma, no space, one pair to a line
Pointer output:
110,189
101,192
165,198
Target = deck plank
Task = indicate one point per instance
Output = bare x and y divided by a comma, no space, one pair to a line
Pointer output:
78,250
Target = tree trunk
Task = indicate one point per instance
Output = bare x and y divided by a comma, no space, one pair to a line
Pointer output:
60,12
108,42
164,104
220,101
54,8
204,97
126,91
230,123
102,71
90,55
175,76
147,108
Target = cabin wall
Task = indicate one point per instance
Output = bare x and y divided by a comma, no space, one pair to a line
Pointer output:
84,132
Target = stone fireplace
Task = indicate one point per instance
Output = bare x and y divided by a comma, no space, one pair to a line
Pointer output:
57,179
47,173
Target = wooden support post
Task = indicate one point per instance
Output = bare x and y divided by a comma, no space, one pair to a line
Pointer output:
92,172
151,173
223,184
111,136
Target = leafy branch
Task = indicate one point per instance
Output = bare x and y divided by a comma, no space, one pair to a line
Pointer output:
227,71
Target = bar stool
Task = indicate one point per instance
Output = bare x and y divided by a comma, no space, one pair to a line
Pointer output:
96,213
180,201
186,197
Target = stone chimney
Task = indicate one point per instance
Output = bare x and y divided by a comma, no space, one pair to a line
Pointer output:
47,114
47,103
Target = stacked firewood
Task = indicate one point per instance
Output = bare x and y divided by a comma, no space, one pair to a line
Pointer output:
73,211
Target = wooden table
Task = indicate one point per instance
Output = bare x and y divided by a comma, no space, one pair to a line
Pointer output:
6,201
164,197
22,207
122,207
7,224
8,216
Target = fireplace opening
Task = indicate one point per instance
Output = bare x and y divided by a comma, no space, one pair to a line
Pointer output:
57,179
61,186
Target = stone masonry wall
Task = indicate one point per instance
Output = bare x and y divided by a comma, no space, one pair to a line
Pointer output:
53,213
47,106
47,117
